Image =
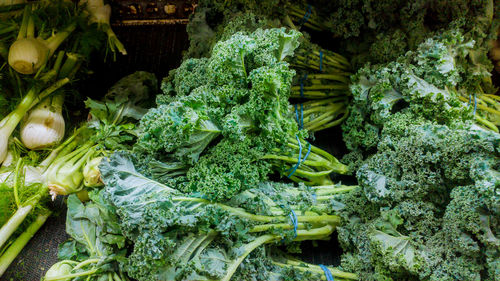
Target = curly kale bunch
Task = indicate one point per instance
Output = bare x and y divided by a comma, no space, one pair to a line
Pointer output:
225,121
181,237
430,83
427,207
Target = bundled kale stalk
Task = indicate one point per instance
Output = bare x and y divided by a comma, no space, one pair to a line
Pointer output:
177,237
317,115
427,206
230,122
320,73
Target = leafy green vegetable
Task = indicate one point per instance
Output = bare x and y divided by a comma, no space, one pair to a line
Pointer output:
238,106
178,237
97,244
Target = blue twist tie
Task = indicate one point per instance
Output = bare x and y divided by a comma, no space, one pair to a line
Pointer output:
307,15
300,120
321,61
302,80
295,221
475,105
294,168
300,158
328,274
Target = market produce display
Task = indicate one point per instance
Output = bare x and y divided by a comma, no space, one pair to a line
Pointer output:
215,172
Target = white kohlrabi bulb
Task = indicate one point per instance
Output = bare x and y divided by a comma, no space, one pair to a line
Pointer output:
27,55
44,127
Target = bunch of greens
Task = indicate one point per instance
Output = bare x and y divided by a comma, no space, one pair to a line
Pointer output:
428,83
320,73
427,206
96,245
177,237
234,103
381,31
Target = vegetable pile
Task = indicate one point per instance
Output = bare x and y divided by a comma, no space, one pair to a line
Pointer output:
218,172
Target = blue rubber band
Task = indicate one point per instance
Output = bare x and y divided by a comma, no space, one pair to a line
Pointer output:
470,99
307,154
321,61
328,274
295,222
307,15
475,105
300,119
302,80
294,168
301,160
314,196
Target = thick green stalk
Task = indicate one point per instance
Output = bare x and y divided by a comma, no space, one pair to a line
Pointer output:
69,65
17,174
16,247
18,217
300,265
63,149
113,40
73,275
85,263
248,248
24,25
13,223
9,123
55,40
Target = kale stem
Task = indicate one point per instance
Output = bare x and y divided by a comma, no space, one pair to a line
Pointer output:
248,248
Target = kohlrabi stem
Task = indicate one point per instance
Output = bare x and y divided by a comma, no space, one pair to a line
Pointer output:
114,42
11,253
72,275
55,40
7,29
30,29
52,88
10,122
52,73
4,52
24,25
61,150
247,249
68,66
18,217
13,223
86,262
16,181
